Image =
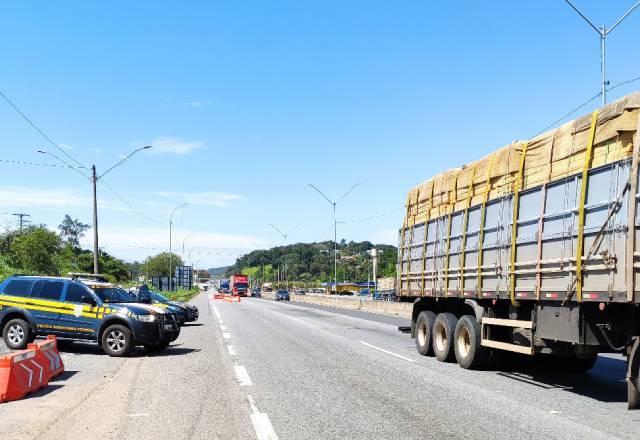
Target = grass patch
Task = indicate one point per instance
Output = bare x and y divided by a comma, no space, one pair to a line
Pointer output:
182,295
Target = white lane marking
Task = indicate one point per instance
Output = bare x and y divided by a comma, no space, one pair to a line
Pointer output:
223,327
232,350
243,377
399,356
138,415
262,426
226,335
221,321
215,310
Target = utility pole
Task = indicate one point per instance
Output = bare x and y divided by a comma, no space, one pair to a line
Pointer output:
335,230
94,182
93,178
603,32
21,216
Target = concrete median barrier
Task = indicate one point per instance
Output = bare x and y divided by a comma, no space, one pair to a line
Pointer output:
354,303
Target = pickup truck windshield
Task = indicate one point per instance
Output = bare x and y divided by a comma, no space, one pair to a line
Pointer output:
157,297
113,295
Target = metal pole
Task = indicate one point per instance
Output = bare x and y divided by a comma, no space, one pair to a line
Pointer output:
335,248
94,181
170,254
603,43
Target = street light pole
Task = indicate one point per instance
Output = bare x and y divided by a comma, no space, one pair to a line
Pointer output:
93,178
603,32
170,242
284,236
335,230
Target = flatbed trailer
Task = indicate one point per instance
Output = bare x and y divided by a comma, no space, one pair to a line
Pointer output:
560,280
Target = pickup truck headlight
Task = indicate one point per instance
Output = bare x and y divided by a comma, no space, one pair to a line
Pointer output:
146,318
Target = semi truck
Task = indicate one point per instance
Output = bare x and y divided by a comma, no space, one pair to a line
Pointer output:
239,285
532,249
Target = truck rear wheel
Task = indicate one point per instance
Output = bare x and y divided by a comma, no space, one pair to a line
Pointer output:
443,336
424,332
469,352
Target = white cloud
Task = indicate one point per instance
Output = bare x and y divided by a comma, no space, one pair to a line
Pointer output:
97,150
194,104
22,196
175,145
208,249
65,146
215,199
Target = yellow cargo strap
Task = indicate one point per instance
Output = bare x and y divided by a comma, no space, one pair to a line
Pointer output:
402,243
588,156
514,222
482,222
463,242
413,225
446,255
424,237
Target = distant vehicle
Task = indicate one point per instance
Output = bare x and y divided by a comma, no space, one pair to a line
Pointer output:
83,307
301,292
267,287
239,285
282,295
256,292
224,286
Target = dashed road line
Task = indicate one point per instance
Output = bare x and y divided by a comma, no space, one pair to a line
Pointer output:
243,377
399,356
232,350
223,327
226,335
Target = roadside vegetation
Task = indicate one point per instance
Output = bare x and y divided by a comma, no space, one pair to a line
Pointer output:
313,262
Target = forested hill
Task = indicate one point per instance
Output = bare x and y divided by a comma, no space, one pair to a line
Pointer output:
314,261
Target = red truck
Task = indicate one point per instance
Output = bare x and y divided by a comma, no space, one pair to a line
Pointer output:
239,285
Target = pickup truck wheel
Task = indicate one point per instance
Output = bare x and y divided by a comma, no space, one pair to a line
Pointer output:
424,332
443,335
17,334
469,353
155,348
116,340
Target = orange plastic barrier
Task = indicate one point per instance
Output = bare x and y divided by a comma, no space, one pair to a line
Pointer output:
232,298
20,374
47,354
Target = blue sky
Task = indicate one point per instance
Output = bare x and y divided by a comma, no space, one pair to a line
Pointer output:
247,102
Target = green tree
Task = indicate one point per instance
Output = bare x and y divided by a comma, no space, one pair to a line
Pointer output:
114,268
158,265
34,250
72,230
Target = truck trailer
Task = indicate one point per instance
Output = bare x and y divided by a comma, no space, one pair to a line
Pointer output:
561,279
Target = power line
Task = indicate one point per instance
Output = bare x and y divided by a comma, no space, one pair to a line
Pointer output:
127,204
568,114
20,162
36,128
366,219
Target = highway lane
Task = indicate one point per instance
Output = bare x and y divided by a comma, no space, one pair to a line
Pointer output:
328,374
188,391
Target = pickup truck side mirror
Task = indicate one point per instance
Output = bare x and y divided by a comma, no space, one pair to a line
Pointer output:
88,299
144,298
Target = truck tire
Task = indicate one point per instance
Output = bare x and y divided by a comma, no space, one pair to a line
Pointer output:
17,334
633,396
424,331
444,329
470,354
116,340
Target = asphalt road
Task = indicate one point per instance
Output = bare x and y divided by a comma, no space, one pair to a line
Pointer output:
260,369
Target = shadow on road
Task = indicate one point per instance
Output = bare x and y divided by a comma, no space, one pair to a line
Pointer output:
604,382
53,385
192,325
94,349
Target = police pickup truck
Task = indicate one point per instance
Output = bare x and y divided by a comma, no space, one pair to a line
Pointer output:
81,308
